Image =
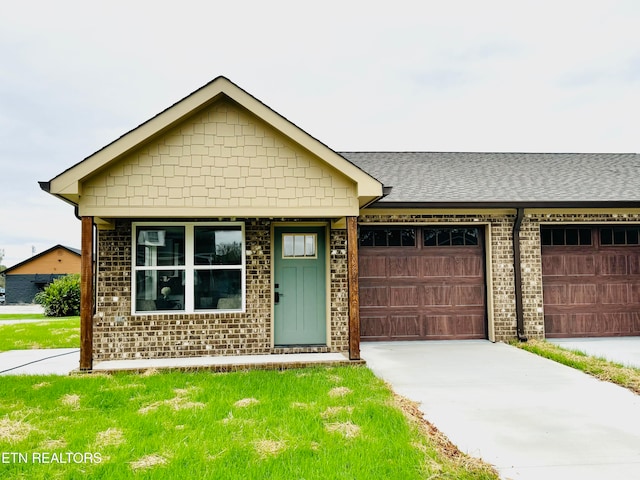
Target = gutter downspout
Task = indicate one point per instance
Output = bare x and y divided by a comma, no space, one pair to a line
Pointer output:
517,271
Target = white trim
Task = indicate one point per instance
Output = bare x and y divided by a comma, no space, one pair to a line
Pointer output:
189,266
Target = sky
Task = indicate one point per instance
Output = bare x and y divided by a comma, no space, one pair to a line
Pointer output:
457,75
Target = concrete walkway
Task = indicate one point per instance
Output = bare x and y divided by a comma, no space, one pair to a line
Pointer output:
50,361
530,417
623,350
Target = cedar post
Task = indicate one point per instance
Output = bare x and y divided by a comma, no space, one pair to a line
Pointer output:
86,295
352,279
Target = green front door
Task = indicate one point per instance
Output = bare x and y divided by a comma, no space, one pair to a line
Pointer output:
300,286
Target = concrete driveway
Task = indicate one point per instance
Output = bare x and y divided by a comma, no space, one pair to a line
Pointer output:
530,417
624,350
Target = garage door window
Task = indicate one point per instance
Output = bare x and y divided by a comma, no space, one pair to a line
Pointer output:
619,236
387,237
450,237
565,236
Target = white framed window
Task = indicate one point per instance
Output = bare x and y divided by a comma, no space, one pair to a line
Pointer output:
188,267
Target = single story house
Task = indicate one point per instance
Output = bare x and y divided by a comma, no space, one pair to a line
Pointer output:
32,275
219,227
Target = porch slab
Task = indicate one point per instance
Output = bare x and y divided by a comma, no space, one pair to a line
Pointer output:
227,363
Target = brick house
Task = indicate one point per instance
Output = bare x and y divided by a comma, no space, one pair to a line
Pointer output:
25,279
224,229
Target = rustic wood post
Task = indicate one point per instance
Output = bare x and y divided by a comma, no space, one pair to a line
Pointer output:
354,299
86,295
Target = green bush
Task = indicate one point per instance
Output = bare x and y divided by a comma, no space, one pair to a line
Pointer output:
61,298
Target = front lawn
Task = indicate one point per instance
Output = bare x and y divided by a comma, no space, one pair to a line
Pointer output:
317,423
48,333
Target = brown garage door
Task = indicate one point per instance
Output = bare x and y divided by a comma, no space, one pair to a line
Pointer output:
420,283
591,281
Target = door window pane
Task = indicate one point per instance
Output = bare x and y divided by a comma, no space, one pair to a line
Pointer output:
299,245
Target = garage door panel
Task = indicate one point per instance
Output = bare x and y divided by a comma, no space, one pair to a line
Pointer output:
582,294
469,295
554,294
374,327
372,296
583,323
403,296
613,294
372,267
404,327
612,265
433,266
468,266
553,265
616,323
436,295
580,265
402,267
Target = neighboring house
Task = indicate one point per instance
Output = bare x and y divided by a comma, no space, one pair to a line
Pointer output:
31,276
221,228
2,296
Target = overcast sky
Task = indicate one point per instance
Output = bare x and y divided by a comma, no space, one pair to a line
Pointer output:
532,76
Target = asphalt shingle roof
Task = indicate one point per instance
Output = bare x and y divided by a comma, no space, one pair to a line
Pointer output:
503,177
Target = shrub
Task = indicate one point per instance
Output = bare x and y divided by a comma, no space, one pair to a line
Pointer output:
61,298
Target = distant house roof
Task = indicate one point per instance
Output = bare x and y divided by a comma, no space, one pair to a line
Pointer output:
504,178
31,259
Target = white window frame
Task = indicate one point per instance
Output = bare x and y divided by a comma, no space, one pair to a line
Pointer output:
189,266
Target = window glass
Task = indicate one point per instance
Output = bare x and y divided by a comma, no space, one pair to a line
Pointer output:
218,246
218,289
620,235
571,236
585,236
447,237
299,245
160,246
159,290
387,237
545,233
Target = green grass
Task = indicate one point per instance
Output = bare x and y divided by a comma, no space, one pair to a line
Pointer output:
600,368
21,316
49,333
320,423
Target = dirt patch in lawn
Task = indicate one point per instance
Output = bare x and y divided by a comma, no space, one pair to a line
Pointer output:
179,402
266,448
71,400
246,402
348,429
339,392
111,437
13,431
148,461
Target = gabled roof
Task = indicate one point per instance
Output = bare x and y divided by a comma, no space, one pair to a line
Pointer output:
75,251
68,184
504,178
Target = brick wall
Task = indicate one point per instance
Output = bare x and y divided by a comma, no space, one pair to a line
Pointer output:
120,335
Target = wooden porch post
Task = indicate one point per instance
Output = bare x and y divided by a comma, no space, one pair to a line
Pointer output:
354,299
86,295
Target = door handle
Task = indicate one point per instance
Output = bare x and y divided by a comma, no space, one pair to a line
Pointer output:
277,296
